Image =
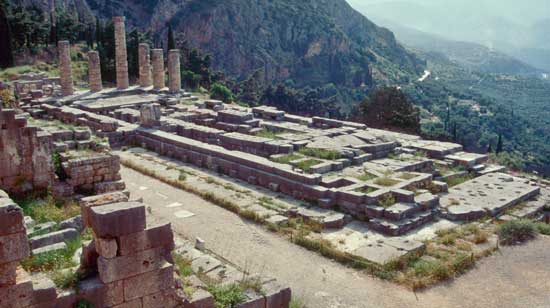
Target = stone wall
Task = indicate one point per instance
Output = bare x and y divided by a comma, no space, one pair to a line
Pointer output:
97,174
25,155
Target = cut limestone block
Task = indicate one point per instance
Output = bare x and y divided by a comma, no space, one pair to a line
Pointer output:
136,303
152,237
13,247
164,299
53,238
127,266
100,294
44,290
117,219
11,218
8,273
99,200
149,283
88,258
19,294
49,248
202,299
106,248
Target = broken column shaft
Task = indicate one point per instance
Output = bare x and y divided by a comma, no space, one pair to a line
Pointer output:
174,74
121,56
158,69
94,71
65,72
144,65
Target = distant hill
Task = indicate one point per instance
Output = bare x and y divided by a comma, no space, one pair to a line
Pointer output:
469,55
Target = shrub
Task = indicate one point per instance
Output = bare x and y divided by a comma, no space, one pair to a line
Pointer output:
387,201
320,153
543,228
183,265
516,231
227,296
221,92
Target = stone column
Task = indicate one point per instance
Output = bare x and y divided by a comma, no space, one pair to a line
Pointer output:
65,72
158,69
120,53
144,65
94,71
174,74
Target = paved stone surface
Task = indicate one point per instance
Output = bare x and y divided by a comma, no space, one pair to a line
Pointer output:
516,272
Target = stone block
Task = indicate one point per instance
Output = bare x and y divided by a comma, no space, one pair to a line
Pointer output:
149,283
117,219
49,248
13,247
53,238
19,294
127,266
74,223
164,299
106,248
8,273
88,258
152,237
98,200
201,299
100,294
11,217
44,290
136,303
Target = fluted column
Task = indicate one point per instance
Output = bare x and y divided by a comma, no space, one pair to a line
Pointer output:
94,71
144,65
65,72
121,56
174,74
158,69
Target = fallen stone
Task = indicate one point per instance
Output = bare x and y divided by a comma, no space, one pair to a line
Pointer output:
53,238
19,294
49,249
72,223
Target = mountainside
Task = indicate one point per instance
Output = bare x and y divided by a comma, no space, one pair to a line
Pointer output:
311,42
469,55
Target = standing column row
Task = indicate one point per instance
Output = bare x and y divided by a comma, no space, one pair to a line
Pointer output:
94,71
174,73
158,69
144,55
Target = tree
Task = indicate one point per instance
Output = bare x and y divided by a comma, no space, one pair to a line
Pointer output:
171,40
388,107
53,29
221,92
499,144
490,148
98,32
6,53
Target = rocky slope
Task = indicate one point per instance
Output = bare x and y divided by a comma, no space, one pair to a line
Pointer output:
311,42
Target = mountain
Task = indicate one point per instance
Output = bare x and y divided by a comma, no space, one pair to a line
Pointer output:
309,42
519,29
472,56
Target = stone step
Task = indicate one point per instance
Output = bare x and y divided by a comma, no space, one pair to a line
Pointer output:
53,238
404,226
49,249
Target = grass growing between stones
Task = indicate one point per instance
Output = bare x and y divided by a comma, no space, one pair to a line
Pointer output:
320,153
48,209
286,159
183,265
518,231
306,165
53,261
454,181
386,181
269,134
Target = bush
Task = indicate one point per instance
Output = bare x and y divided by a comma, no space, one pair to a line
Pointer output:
516,231
227,296
221,92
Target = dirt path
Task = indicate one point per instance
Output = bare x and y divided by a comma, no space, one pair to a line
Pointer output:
517,278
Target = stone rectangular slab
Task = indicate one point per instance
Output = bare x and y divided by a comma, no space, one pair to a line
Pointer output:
53,238
11,217
19,294
152,237
117,219
101,294
127,266
14,247
149,283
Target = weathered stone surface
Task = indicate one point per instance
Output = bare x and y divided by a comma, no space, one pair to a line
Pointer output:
158,69
13,247
94,71
144,57
44,290
73,223
98,200
49,248
174,74
136,303
65,72
149,283
117,219
152,237
88,258
127,266
201,299
11,217
106,248
19,294
100,294
165,299
8,273
121,57
53,238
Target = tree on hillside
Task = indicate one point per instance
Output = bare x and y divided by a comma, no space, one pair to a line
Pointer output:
388,107
221,92
6,53
499,144
53,29
171,40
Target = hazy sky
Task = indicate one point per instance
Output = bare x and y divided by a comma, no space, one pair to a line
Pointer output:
524,12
